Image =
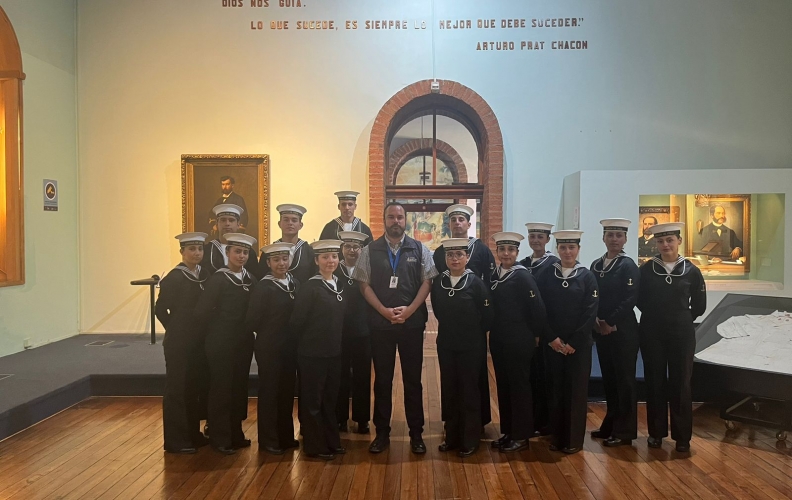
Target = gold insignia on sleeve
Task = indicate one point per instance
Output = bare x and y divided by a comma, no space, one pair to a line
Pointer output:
703,287
532,294
629,282
486,303
595,294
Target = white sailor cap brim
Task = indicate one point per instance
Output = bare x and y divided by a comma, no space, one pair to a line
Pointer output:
459,210
567,236
289,208
228,209
279,248
666,229
326,246
455,244
346,195
186,239
615,224
539,227
352,236
240,240
508,238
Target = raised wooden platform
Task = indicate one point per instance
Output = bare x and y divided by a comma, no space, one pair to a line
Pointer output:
112,448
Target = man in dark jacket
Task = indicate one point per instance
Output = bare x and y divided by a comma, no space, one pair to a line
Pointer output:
395,274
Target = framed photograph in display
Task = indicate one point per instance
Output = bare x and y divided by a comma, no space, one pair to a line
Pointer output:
718,228
209,180
649,216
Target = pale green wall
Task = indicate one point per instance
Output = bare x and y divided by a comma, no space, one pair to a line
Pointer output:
46,307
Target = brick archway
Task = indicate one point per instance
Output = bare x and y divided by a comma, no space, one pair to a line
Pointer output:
420,147
460,103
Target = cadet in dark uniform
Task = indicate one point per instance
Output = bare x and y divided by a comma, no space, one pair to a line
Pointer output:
318,321
395,273
356,349
671,296
462,304
572,300
271,305
616,334
183,344
347,204
229,344
215,257
540,265
301,259
520,318
482,263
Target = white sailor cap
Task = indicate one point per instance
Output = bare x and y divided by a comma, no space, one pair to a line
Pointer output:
539,227
288,208
278,248
240,240
567,236
667,229
191,239
352,236
228,209
455,243
459,210
326,246
615,224
508,238
347,195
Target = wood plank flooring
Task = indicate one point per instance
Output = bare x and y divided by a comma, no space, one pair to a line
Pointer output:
108,448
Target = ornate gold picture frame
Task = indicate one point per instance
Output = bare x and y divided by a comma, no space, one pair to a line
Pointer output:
205,182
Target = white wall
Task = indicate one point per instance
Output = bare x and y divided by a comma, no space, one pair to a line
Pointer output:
663,86
45,307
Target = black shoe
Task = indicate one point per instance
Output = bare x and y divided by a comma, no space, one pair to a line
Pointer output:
363,428
338,451
654,442
554,447
224,450
342,427
379,444
323,456
417,446
244,443
570,451
683,446
467,452
500,441
182,451
200,441
272,450
444,447
599,434
614,442
292,444
520,444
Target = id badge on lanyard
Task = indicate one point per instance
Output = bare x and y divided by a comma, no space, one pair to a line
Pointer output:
394,262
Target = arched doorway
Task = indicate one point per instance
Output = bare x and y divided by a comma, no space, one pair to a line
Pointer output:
11,233
463,105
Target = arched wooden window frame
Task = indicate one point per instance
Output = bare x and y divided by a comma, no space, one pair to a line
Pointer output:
12,229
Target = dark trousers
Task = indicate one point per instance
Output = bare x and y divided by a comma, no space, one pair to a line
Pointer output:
617,354
568,390
460,388
668,366
355,374
384,343
229,369
277,378
180,410
512,363
539,387
484,392
318,392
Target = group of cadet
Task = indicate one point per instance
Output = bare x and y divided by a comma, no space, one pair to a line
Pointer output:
317,315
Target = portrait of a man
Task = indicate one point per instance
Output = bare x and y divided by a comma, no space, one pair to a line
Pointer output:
717,239
227,184
646,243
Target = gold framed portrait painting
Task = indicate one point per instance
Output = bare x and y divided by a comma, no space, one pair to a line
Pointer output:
208,180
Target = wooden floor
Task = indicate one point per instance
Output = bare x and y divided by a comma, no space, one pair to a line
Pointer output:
112,448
